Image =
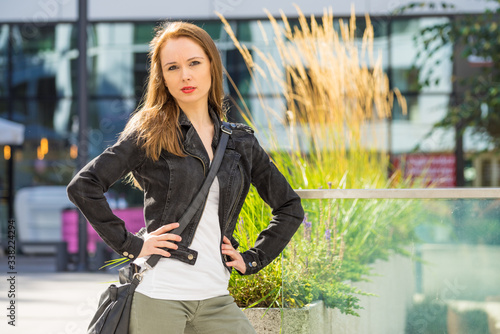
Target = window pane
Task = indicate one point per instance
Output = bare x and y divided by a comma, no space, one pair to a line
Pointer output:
4,38
486,173
51,119
106,119
112,59
404,53
4,112
380,40
414,128
213,28
143,33
140,74
43,61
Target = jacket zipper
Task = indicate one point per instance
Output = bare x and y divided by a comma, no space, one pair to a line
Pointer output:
197,157
194,156
204,174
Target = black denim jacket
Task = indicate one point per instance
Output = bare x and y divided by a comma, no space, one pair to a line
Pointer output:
170,183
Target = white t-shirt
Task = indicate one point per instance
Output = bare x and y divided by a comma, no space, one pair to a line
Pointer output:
207,278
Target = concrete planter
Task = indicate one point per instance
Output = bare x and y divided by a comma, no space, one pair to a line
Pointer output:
385,314
305,320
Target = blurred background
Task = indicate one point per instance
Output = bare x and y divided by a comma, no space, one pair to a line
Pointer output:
444,58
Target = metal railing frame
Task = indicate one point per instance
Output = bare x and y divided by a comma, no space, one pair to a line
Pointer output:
421,193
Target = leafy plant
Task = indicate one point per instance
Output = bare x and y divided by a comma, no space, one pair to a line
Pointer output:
473,37
333,92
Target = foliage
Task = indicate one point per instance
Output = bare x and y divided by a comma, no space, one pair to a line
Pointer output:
427,316
332,91
431,315
477,36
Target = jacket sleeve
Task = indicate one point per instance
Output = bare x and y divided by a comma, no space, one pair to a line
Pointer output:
86,190
286,206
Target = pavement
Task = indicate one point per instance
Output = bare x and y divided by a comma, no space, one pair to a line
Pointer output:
44,301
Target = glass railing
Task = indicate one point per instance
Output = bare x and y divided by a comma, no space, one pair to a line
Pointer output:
394,261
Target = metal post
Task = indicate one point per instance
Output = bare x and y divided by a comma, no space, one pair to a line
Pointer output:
459,156
82,121
10,108
390,167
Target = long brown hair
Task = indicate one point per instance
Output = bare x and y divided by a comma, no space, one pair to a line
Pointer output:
155,123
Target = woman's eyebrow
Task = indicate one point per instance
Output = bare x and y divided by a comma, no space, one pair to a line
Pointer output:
173,62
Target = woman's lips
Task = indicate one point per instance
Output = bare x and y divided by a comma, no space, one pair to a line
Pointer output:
188,90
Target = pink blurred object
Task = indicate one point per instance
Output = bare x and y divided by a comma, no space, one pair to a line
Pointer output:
133,218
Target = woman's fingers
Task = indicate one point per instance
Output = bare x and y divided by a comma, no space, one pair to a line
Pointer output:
168,237
161,252
165,228
236,258
159,239
166,244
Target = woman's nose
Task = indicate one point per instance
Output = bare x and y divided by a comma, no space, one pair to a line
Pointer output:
186,74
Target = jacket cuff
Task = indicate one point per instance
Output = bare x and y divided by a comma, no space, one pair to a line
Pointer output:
132,247
252,264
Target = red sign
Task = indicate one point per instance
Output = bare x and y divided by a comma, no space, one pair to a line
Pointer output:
437,170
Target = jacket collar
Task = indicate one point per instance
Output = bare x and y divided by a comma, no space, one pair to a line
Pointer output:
188,128
192,142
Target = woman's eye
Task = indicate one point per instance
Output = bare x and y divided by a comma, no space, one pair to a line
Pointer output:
171,68
195,62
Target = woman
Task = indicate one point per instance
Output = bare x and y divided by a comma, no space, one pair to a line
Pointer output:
167,146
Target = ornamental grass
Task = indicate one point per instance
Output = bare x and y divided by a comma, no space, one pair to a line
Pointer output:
333,96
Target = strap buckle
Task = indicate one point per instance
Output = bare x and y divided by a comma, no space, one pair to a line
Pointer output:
226,130
139,275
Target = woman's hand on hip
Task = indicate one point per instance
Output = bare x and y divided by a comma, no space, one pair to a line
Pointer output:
159,239
236,258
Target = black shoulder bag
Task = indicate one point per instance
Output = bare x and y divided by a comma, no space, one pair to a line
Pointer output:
113,312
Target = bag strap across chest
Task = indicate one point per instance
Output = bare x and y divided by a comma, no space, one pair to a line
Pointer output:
202,194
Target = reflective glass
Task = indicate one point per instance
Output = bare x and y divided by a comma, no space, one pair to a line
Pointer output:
143,32
430,265
50,118
213,28
405,59
141,67
4,113
423,111
33,168
4,217
44,63
106,119
4,38
423,108
57,121
113,59
380,39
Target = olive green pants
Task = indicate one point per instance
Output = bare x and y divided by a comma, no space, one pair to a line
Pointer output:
211,316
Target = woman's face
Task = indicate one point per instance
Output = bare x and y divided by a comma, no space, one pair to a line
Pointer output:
186,72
